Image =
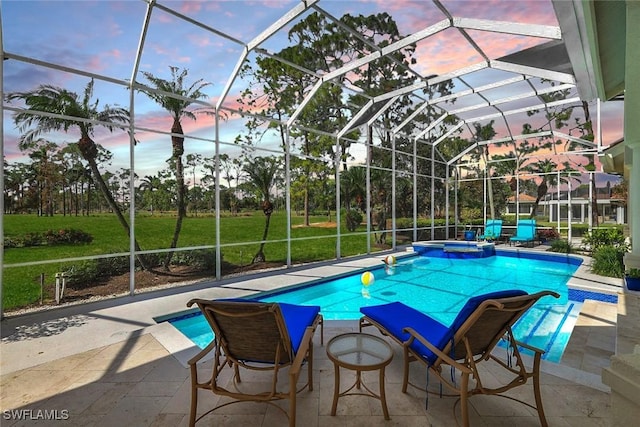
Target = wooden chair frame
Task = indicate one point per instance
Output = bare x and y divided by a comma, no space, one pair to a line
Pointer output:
473,343
253,336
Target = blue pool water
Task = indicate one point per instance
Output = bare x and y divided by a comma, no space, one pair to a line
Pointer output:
439,286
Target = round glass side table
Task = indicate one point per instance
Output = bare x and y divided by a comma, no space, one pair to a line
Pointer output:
359,352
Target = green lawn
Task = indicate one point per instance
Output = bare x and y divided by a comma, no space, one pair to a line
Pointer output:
21,284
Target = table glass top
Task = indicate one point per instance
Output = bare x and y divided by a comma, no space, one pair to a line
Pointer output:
359,349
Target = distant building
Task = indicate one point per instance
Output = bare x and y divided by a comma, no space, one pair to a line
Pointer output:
611,207
524,204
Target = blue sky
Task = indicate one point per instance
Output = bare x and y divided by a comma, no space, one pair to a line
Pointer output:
102,37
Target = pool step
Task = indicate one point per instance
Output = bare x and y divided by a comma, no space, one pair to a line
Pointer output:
548,328
461,250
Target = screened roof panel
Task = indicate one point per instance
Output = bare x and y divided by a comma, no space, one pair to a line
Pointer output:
513,89
497,57
445,52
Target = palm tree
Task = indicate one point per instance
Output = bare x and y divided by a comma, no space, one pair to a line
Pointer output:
79,112
380,203
177,107
263,173
486,133
354,186
149,186
543,167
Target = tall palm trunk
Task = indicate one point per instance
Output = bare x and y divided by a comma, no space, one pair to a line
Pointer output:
178,150
594,201
487,170
594,189
267,208
542,191
306,184
89,152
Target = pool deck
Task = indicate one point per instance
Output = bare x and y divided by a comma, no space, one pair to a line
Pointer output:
109,363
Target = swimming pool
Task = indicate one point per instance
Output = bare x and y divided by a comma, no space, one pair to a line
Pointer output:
439,284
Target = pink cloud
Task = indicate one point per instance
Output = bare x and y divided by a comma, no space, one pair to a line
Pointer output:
114,53
172,53
213,6
270,4
163,18
95,64
199,41
103,60
444,52
190,7
114,29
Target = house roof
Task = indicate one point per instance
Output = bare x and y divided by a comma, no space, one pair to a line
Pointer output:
522,198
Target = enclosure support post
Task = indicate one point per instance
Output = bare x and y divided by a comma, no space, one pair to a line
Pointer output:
336,168
287,184
632,130
368,187
415,189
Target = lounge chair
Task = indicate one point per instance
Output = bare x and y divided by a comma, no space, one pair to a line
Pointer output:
492,230
257,336
525,232
469,340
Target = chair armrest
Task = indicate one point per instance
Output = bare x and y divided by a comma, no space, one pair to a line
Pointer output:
302,351
195,359
529,347
447,359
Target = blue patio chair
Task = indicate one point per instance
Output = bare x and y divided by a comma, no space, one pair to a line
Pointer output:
259,336
525,232
492,230
481,323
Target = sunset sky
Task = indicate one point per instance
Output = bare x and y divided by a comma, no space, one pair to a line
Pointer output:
102,37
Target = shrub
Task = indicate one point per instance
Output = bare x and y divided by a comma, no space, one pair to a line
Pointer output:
31,239
608,260
84,274
353,218
64,236
202,258
561,246
605,237
548,234
471,216
579,230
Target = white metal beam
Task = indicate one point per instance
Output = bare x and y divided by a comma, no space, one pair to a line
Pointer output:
531,30
276,26
533,71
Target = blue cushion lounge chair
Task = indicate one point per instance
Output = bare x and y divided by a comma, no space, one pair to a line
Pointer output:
525,232
492,230
260,336
469,340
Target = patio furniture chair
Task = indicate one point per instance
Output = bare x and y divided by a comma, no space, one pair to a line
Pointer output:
525,232
259,336
470,340
492,230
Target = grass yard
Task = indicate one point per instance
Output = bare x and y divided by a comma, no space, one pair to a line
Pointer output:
238,234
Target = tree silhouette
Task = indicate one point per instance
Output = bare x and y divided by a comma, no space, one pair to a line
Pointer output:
65,111
177,106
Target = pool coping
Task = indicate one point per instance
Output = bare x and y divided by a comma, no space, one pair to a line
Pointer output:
171,337
35,338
